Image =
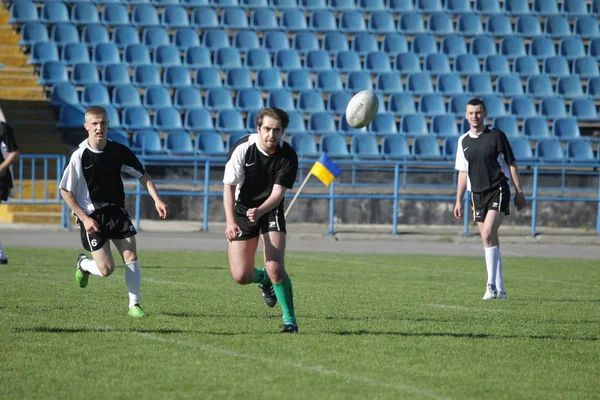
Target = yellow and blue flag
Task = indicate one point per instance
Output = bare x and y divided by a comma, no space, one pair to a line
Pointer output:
325,169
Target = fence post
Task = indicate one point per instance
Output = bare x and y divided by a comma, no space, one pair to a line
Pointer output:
598,213
534,196
138,203
206,193
396,188
466,213
331,231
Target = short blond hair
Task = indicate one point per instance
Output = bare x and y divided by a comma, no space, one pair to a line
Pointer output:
96,111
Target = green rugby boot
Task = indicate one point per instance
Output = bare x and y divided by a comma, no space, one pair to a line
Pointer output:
136,311
81,276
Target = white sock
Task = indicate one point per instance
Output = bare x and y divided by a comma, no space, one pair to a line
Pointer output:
133,279
499,276
2,255
491,255
90,266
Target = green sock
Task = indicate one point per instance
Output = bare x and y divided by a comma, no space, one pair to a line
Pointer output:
261,276
285,297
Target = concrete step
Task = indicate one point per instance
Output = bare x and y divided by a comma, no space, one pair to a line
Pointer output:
31,208
50,218
30,93
40,186
27,81
14,61
7,48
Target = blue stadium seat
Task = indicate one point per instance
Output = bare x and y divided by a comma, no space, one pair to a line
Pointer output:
268,79
310,102
186,98
167,119
593,88
207,77
556,66
258,59
105,53
263,19
571,47
228,57
594,48
494,106
303,42
23,11
557,26
365,147
483,46
238,78
378,62
400,5
305,145
371,5
174,16
251,121
424,44
113,117
522,107
458,103
328,81
317,60
346,61
584,109
521,148
545,7
509,86
469,25
335,42
411,23
126,96
215,39
459,6
383,124
498,25
281,98
156,97
488,7
218,98
144,15
394,43
166,56
389,82
54,12
204,17
402,104
436,63
119,136
33,32
198,120
526,66
179,143
566,128
84,74
449,147
395,147
230,121
135,118
381,22
275,41
210,144
467,64
575,8
146,75
293,20
440,23
225,3
338,101
63,93
296,124
311,5
407,63
364,42
413,125
580,151
539,86
449,84
352,21
185,38
71,116
334,145
124,36
479,85
357,81
42,52
322,21
536,128
549,150
512,47
542,47
528,25
419,83
155,36
321,123
84,13
234,18
73,53
428,6
287,60
339,5
569,87
507,124
595,7
136,54
432,104
516,7
115,14
444,125
496,64
586,27
95,95
427,148
147,141
552,107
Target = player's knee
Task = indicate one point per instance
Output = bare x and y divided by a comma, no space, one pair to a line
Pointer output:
129,257
242,278
106,269
276,272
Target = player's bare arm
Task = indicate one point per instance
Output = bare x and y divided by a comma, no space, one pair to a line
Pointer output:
161,206
520,201
272,201
89,223
460,193
11,158
232,229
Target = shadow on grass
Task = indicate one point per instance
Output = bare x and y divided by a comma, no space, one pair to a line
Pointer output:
45,329
464,335
181,267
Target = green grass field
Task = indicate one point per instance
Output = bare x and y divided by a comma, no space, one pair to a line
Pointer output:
371,327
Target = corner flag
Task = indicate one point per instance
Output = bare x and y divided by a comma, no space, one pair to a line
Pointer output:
325,169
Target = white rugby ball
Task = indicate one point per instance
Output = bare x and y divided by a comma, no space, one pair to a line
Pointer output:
362,109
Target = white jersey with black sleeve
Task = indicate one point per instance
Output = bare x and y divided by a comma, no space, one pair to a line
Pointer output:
94,176
486,159
254,172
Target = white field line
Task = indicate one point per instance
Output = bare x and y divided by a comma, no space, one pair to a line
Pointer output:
453,307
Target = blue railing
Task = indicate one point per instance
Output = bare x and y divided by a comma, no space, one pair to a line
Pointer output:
48,168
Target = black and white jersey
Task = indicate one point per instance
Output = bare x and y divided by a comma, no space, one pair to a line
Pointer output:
94,176
254,172
486,159
8,145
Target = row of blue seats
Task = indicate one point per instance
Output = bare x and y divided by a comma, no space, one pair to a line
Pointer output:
364,147
259,19
232,120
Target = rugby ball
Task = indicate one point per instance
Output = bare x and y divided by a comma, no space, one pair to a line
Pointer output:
362,108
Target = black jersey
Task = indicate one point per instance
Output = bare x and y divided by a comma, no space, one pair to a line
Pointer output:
255,172
8,145
486,159
94,176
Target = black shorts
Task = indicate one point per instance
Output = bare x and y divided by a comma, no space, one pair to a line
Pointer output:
4,190
497,198
273,221
114,223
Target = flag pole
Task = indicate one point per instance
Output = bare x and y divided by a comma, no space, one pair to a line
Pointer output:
297,194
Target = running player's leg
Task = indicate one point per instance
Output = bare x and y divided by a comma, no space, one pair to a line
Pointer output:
489,237
133,275
4,190
241,261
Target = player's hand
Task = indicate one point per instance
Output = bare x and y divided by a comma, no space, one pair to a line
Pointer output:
253,214
91,225
520,201
162,208
232,231
458,210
